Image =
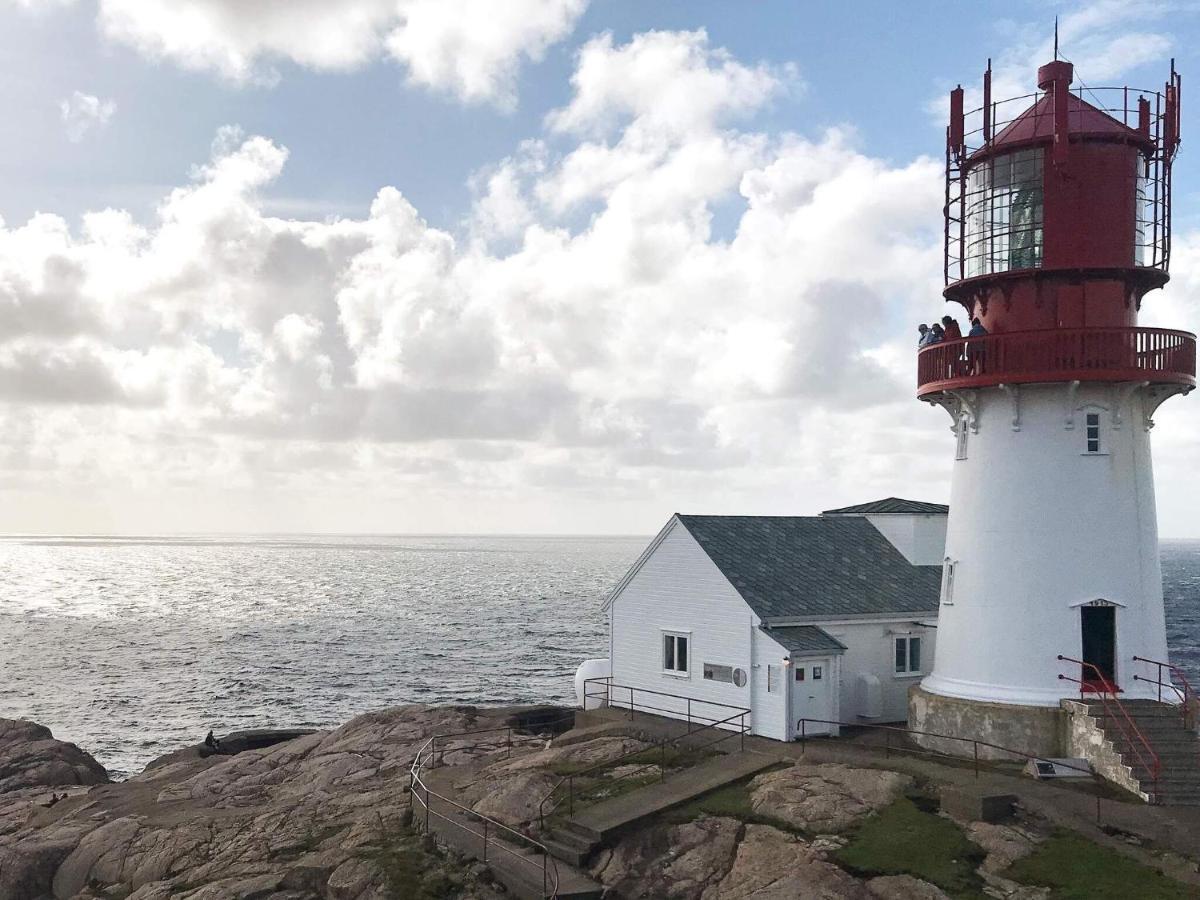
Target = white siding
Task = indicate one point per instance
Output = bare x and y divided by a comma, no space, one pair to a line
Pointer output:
771,716
922,539
679,589
869,648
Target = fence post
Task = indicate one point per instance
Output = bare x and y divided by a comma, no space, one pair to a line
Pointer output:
689,702
803,737
433,753
662,766
976,746
631,704
887,744
485,831
427,809
571,795
742,729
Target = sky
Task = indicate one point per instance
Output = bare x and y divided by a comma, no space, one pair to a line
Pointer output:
539,266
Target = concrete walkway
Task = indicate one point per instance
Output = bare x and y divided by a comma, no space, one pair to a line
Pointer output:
518,868
1175,828
603,819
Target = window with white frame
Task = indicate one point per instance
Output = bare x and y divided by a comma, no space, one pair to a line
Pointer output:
675,653
908,654
774,679
948,567
1092,431
960,449
715,672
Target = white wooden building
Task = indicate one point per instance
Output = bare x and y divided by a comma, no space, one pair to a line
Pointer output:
828,617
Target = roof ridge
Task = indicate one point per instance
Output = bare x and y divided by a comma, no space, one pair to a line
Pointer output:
803,566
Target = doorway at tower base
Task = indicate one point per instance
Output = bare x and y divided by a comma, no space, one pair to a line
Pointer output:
1035,730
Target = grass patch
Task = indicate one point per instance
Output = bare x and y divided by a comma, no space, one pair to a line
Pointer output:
1075,868
412,870
732,801
904,840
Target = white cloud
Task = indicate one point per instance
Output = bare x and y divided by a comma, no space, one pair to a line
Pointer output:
471,49
82,112
1104,39
623,348
669,82
592,355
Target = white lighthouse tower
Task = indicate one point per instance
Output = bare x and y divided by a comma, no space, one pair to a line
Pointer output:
1057,226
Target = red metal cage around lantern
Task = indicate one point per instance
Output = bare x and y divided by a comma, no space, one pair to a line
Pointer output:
1147,118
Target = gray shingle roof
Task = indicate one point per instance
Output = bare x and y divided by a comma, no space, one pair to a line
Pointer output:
805,639
789,567
890,505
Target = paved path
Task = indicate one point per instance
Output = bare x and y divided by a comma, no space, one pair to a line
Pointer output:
604,818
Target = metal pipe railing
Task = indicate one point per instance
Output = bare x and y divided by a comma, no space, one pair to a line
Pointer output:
1059,354
557,795
1106,691
1189,700
427,757
889,748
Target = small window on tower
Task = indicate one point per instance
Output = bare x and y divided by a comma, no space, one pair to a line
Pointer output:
948,566
960,450
1093,432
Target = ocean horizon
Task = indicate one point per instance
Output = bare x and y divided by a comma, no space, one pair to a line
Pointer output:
135,645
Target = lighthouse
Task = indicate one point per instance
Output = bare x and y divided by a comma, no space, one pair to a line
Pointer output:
1057,228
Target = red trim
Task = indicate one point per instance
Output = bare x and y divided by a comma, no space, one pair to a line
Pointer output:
1157,355
1100,685
1092,681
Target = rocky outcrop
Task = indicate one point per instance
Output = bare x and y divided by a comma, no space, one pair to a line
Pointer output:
774,865
904,887
824,798
511,788
677,863
30,757
232,744
308,818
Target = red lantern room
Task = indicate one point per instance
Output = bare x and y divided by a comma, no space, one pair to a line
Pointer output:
1057,224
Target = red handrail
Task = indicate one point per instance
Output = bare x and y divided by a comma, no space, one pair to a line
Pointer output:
1188,694
1130,729
1059,354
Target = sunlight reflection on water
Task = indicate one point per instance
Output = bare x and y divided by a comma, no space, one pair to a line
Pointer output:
134,647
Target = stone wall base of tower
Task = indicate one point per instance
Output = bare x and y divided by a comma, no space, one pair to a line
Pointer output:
1035,730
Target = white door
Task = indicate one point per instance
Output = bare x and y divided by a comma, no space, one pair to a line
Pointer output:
812,696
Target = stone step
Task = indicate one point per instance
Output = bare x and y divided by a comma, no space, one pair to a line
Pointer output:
1169,721
573,838
1170,800
1167,713
571,886
582,830
565,850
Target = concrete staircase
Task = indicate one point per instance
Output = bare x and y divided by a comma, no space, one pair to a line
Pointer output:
574,840
1177,748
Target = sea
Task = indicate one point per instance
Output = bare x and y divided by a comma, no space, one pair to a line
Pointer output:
133,647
